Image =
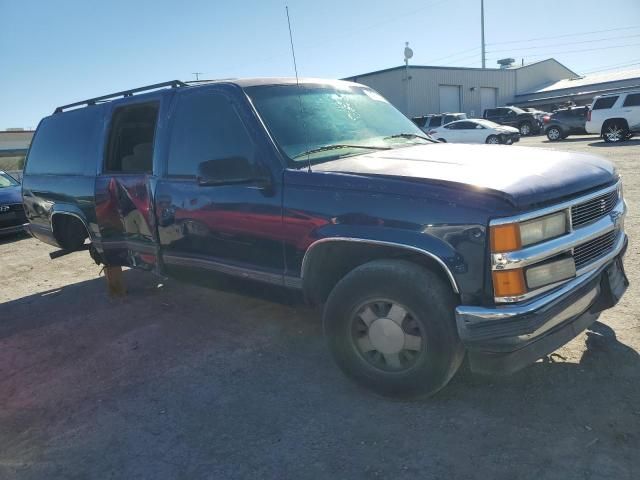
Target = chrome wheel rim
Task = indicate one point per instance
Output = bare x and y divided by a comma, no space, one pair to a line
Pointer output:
387,335
525,129
554,134
493,141
614,134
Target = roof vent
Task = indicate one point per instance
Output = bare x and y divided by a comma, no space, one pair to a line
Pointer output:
506,62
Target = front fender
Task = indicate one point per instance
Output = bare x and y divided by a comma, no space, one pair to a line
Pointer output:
458,249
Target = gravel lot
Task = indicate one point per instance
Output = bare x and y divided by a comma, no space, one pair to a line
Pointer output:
184,381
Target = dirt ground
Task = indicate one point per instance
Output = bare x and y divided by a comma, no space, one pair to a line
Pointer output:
181,381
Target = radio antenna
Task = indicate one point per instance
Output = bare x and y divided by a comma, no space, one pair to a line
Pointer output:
293,52
295,68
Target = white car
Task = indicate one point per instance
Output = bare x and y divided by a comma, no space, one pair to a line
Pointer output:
476,131
615,116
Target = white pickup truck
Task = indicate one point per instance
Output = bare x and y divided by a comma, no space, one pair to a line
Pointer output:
615,116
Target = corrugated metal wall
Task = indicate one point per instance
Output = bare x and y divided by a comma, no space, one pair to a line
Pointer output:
424,85
425,81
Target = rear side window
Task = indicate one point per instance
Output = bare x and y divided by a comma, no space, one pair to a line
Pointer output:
632,100
603,103
66,143
130,147
206,127
435,121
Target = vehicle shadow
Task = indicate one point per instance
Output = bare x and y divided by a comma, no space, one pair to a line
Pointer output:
626,143
569,140
233,373
13,237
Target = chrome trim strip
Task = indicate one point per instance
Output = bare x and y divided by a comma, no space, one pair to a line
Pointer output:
580,275
553,208
234,270
305,259
536,253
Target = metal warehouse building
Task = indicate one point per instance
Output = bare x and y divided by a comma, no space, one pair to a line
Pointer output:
418,90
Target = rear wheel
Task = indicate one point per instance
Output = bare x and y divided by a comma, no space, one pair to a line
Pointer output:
554,134
615,131
391,328
492,140
525,129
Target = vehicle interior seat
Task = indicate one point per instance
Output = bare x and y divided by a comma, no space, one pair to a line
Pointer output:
140,160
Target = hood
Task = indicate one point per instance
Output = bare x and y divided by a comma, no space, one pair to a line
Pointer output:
525,176
10,195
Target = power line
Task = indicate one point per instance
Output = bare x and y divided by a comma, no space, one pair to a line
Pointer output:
459,60
453,55
565,35
517,49
582,50
614,67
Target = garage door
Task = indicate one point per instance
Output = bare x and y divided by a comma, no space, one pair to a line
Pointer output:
449,98
488,98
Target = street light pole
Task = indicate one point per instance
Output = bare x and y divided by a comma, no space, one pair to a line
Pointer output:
484,57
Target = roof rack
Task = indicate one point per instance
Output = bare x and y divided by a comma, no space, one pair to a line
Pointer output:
125,93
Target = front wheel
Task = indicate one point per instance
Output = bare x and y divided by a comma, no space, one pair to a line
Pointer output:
492,140
390,327
525,129
554,134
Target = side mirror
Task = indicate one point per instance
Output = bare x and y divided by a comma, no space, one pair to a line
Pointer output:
478,127
231,171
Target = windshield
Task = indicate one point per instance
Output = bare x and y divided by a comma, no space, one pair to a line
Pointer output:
7,181
305,120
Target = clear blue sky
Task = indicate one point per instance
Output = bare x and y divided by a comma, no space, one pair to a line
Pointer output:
56,52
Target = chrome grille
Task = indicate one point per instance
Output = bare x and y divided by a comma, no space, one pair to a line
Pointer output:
593,249
593,209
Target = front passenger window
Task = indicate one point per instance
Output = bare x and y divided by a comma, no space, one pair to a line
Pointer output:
206,127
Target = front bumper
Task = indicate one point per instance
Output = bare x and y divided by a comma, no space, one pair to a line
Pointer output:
504,339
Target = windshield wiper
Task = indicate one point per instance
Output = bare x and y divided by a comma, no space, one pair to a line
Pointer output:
338,146
410,135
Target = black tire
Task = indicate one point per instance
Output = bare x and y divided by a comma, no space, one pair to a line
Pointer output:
429,303
525,128
615,131
555,134
493,140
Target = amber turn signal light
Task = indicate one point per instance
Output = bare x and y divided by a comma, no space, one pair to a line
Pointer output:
509,283
505,238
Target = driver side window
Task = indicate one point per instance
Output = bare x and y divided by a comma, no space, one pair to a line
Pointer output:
205,127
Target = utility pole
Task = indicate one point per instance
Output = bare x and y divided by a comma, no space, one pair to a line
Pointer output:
484,56
197,74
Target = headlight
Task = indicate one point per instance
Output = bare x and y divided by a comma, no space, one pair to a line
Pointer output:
550,272
544,228
514,236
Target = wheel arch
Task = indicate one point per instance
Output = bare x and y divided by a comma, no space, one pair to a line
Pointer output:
62,214
319,276
614,119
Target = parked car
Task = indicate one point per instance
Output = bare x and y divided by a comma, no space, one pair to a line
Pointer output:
428,122
526,122
476,131
419,251
564,122
12,217
615,116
